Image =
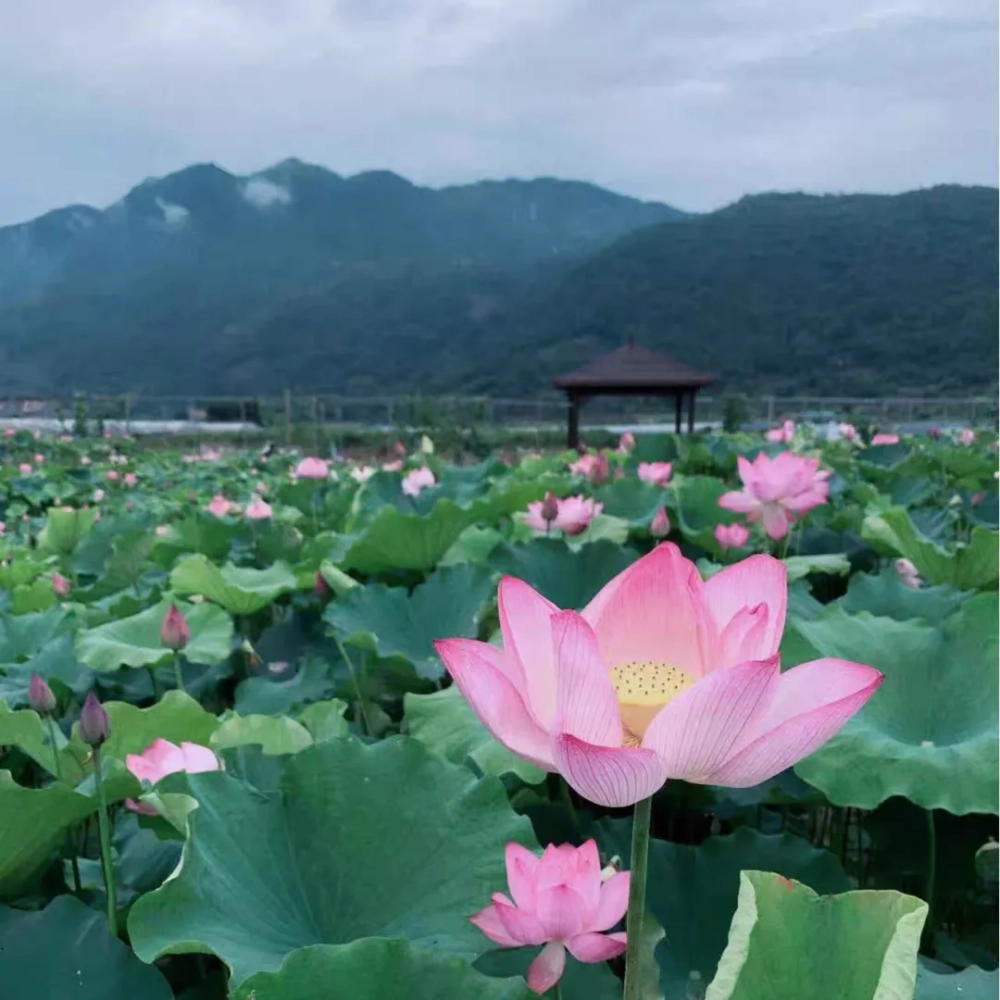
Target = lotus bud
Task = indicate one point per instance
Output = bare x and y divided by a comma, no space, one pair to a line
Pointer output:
174,632
550,508
60,585
321,588
660,525
602,470
40,696
94,726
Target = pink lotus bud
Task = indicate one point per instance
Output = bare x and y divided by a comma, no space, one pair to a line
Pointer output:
320,587
111,475
934,433
94,725
967,436
400,449
39,458
626,442
660,525
909,575
174,632
40,696
977,498
550,507
602,470
24,468
731,536
131,479
60,585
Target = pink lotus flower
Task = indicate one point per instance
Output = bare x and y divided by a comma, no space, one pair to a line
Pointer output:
24,468
592,467
312,468
131,479
731,536
60,585
560,900
112,475
777,490
573,514
417,480
161,758
626,443
885,439
848,431
393,466
656,472
258,509
909,575
660,525
966,436
9,432
219,506
400,449
39,458
3,527
783,433
661,676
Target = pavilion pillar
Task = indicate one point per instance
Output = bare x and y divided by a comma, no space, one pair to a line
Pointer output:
691,399
679,403
573,421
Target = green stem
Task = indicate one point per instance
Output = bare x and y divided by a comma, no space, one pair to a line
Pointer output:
556,992
637,897
931,865
55,746
366,725
152,680
178,676
104,831
564,794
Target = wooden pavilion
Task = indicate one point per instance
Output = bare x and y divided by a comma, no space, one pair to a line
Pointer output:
631,371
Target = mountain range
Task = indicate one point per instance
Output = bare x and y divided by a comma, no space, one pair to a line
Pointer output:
207,282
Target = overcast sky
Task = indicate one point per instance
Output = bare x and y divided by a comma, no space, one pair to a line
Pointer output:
692,102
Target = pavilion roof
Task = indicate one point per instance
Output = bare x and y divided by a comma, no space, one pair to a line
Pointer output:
634,367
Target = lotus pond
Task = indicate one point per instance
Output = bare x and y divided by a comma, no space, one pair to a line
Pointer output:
238,761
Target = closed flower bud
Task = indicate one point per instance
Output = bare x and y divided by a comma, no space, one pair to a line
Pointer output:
40,696
94,725
174,632
660,525
550,507
60,585
320,587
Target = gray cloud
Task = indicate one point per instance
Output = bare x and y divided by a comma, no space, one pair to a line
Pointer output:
694,103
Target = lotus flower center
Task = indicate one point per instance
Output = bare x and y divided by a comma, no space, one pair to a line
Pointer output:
643,689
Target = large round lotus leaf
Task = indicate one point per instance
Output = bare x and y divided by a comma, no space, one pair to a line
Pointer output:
377,969
32,735
788,943
64,529
444,722
238,589
473,545
360,841
886,596
696,510
393,622
34,823
275,734
66,950
930,732
799,567
969,984
968,565
568,579
267,696
22,636
135,641
590,981
692,891
632,499
394,541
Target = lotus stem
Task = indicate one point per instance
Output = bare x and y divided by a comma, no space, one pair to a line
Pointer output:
931,865
55,746
178,674
365,724
567,798
156,687
104,832
637,897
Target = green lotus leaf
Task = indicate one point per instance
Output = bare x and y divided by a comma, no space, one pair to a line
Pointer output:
798,567
135,641
275,734
473,545
65,528
32,735
886,596
325,720
56,663
569,579
972,565
445,723
692,891
969,984
632,499
237,589
358,841
392,622
267,696
788,943
67,950
694,503
22,636
592,981
601,529
930,732
377,969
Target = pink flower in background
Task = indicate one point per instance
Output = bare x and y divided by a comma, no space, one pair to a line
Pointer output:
111,476
562,901
362,473
777,490
783,433
731,536
967,436
656,472
934,433
909,575
85,460
885,439
417,480
131,479
3,527
257,509
393,466
24,468
592,467
161,758
573,514
60,585
400,449
626,443
848,431
312,468
661,676
219,505
39,458
9,432
660,525
98,495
